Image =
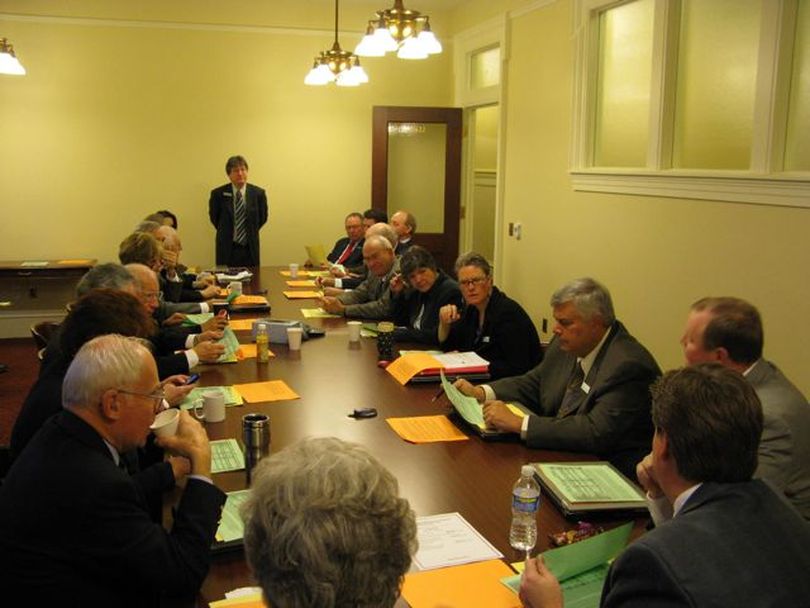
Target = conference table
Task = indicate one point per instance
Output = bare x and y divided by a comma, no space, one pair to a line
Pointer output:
333,377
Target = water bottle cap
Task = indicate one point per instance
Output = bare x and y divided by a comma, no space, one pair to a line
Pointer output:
527,470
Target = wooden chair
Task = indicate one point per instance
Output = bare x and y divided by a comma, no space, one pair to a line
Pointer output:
42,334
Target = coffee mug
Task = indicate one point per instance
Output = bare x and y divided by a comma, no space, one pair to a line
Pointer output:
212,405
165,424
235,287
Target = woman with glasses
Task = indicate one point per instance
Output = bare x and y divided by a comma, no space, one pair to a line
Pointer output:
489,323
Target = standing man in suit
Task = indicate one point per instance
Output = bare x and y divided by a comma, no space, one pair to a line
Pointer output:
733,541
590,393
75,528
237,210
729,331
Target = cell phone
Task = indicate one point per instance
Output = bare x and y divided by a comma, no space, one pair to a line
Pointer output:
193,378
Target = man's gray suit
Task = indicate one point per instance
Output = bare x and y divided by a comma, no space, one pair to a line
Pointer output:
734,545
784,450
612,420
372,298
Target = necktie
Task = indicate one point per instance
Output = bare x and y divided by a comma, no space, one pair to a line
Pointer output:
346,252
239,220
573,393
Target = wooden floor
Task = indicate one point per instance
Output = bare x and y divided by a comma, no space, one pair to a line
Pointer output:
20,355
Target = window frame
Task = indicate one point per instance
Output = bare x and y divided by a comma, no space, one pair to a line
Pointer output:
763,183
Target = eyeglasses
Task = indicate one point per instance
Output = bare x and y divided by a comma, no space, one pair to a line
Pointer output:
472,282
157,396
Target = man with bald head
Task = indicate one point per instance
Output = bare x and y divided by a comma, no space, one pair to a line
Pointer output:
372,298
74,526
404,223
341,279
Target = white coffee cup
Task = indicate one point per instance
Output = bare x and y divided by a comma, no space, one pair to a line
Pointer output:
293,271
354,330
235,287
294,337
213,406
165,424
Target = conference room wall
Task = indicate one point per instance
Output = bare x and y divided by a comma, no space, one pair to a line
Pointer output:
657,255
116,120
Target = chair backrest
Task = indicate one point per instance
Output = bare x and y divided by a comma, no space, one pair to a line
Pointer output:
42,333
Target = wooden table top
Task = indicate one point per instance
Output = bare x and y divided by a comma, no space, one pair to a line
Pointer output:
333,377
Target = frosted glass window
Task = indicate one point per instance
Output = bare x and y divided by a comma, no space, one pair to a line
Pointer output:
485,68
797,149
623,85
416,168
717,69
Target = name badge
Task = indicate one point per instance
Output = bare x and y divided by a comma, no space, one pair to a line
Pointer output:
228,194
585,388
485,339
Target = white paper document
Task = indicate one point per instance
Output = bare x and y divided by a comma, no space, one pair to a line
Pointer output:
449,540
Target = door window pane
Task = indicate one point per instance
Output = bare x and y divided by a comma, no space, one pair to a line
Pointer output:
623,85
797,150
717,69
485,68
416,159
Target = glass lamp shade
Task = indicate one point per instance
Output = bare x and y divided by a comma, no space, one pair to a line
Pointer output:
10,65
429,42
369,47
360,74
412,48
385,39
347,79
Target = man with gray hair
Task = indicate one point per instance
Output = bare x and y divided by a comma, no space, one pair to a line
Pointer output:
74,526
591,391
372,298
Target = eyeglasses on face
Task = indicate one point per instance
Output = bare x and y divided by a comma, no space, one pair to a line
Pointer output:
472,282
157,396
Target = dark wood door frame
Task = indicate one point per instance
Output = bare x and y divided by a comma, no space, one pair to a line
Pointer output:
444,246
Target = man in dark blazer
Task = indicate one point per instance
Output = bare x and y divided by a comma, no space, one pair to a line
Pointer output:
237,241
590,393
733,541
348,250
75,528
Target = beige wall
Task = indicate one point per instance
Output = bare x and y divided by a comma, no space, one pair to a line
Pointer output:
656,255
118,119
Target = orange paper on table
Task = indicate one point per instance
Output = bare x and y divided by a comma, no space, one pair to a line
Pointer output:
223,292
426,429
241,324
307,283
407,366
74,261
300,295
248,351
476,584
271,390
246,299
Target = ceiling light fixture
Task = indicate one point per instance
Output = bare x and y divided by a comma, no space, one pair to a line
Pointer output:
399,29
336,65
9,64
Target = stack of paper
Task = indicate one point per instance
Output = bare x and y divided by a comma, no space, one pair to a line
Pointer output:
232,397
588,486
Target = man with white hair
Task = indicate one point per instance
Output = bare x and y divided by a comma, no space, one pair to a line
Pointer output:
74,527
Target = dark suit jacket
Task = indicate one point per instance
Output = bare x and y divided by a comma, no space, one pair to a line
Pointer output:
784,450
354,259
508,338
612,420
220,210
735,545
407,305
75,529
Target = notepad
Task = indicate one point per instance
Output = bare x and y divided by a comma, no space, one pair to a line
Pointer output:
317,313
231,345
426,429
197,319
302,295
302,283
475,584
226,456
232,397
450,540
231,526
271,390
242,324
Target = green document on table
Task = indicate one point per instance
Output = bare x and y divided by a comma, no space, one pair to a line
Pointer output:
589,482
467,407
226,456
317,313
231,345
581,567
198,319
232,396
231,526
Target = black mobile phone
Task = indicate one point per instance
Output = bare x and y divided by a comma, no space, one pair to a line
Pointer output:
193,378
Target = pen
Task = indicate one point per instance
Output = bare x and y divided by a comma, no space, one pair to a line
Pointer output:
441,389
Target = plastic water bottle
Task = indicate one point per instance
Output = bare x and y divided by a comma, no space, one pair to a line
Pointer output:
262,344
525,502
